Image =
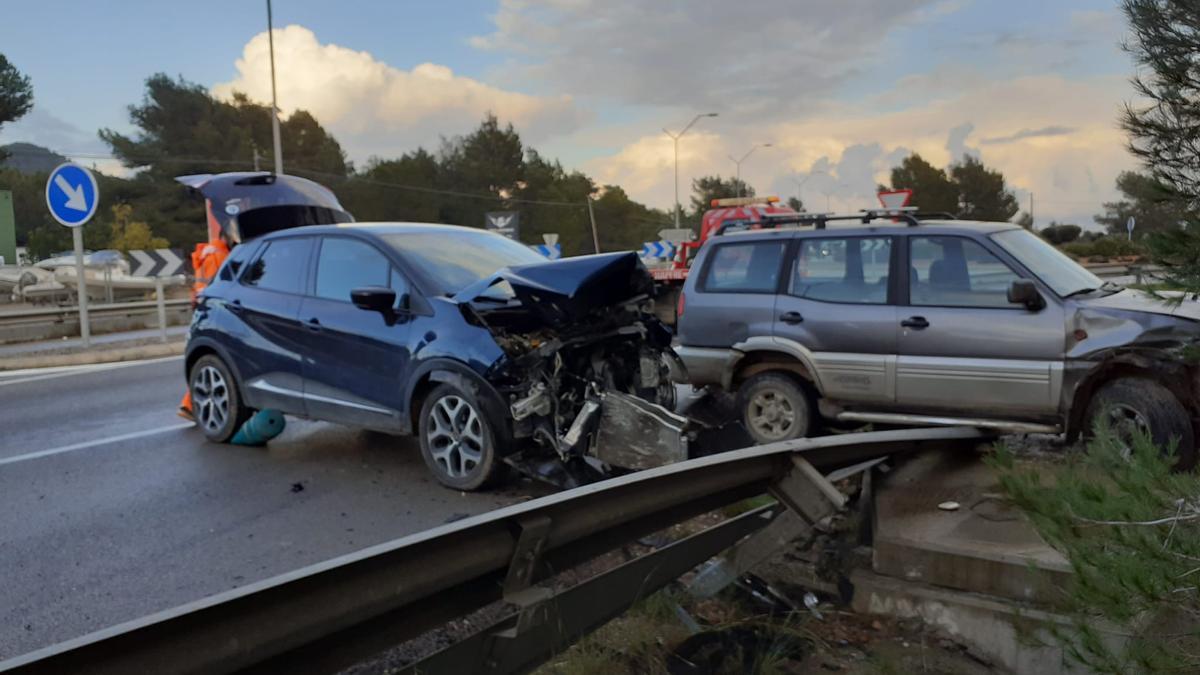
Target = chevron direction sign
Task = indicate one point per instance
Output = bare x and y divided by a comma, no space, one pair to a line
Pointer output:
159,262
551,251
658,249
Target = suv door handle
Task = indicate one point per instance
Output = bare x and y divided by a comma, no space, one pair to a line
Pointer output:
917,322
313,324
791,317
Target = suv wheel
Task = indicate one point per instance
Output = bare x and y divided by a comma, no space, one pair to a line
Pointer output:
216,403
1134,403
457,439
775,407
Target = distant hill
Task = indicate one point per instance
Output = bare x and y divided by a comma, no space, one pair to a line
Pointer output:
29,158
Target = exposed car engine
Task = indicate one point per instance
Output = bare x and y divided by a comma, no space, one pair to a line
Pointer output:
587,373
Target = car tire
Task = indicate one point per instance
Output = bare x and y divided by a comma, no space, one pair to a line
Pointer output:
1150,406
458,439
776,407
216,401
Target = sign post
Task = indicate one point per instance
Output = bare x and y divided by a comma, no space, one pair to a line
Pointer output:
72,196
1129,226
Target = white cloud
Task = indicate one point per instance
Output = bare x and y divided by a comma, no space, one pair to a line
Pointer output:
1069,160
376,109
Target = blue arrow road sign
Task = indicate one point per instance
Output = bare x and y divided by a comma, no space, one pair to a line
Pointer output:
551,251
71,194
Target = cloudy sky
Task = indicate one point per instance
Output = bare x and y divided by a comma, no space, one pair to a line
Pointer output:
842,90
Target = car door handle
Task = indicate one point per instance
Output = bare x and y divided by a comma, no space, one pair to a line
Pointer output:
791,317
917,322
313,324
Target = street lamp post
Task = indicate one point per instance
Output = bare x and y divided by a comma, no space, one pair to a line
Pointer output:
676,137
738,163
274,103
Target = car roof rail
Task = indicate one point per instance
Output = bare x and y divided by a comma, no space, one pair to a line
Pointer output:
908,214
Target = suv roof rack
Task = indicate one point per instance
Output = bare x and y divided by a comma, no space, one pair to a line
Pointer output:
908,214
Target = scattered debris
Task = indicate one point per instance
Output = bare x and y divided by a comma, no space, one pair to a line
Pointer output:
298,487
949,506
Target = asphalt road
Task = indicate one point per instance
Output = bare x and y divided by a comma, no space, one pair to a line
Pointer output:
111,508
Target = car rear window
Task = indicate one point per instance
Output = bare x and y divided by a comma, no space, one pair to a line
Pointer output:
750,267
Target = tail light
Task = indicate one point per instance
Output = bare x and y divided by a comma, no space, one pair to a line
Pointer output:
679,304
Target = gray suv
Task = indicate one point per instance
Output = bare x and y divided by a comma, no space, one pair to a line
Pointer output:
889,318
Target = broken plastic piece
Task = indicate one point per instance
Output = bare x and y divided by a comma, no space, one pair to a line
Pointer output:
949,506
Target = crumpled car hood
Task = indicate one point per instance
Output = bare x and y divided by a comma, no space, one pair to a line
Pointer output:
563,290
1141,301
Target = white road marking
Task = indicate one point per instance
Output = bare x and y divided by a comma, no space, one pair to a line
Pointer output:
92,444
37,374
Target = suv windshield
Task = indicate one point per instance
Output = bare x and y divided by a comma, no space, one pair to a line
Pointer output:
1053,267
454,259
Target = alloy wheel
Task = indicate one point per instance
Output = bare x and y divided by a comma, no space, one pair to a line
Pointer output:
772,414
455,436
210,398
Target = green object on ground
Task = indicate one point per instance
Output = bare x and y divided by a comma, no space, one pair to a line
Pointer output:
260,428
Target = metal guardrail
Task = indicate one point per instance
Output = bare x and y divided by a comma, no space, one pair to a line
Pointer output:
334,614
60,314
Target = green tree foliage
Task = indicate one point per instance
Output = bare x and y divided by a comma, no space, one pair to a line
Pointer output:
182,129
707,188
1164,126
1153,204
1025,220
1164,131
932,189
1060,233
982,194
16,93
1130,528
129,234
969,189
795,204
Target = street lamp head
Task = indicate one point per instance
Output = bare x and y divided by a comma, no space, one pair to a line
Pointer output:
709,115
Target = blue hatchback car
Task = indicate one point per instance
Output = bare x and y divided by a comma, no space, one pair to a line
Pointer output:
472,341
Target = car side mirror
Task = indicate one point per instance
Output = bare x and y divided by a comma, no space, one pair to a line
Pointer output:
1025,292
375,299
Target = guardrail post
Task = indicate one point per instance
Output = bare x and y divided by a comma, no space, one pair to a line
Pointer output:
810,499
162,308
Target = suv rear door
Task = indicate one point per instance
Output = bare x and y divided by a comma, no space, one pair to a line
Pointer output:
267,300
838,303
963,348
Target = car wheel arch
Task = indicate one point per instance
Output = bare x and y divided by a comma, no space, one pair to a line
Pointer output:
198,348
758,361
1134,366
446,371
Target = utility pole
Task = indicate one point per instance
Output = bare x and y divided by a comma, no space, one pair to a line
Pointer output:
274,101
257,156
592,217
676,137
738,164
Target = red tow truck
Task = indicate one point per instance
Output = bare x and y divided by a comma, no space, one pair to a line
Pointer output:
735,213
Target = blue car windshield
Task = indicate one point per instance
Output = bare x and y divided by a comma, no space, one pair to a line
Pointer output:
456,258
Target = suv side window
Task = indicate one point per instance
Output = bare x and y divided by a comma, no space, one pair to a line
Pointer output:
749,267
345,264
843,269
280,266
957,272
